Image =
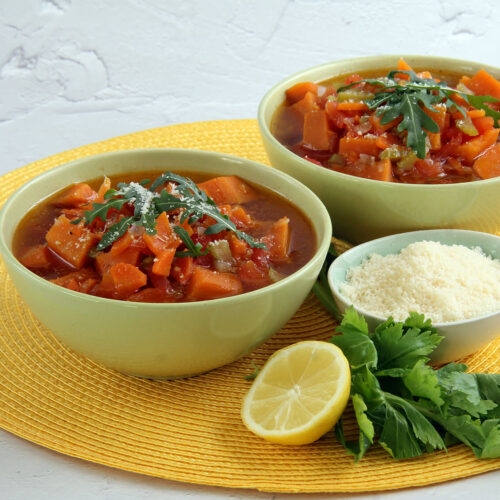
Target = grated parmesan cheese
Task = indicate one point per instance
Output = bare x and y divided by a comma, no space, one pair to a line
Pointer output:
445,283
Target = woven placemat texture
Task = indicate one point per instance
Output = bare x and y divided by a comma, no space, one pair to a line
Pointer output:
186,430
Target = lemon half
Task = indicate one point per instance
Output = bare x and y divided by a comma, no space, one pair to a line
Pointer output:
299,394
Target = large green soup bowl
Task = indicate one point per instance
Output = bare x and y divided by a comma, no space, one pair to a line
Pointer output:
163,340
363,209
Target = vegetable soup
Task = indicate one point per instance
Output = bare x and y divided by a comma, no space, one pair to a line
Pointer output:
399,127
167,240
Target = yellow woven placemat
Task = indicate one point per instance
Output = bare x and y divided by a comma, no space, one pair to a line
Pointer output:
186,430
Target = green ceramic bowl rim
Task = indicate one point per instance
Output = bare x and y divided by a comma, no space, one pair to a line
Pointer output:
283,84
363,249
322,244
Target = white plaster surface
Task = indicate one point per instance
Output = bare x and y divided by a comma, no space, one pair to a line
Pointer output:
74,72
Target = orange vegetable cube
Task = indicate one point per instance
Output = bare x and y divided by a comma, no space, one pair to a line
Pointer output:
359,145
105,260
487,165
163,262
182,269
239,249
36,257
103,189
75,196
403,65
483,123
316,134
164,239
308,103
278,239
127,278
380,171
352,106
228,189
71,242
474,147
299,90
482,83
206,285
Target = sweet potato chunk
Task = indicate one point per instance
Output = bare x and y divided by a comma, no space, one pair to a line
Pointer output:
36,257
228,189
127,278
75,196
70,241
206,285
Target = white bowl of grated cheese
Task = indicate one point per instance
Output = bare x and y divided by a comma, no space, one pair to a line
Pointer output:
451,276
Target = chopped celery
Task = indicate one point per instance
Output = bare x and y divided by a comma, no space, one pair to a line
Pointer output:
336,159
407,161
274,275
354,95
223,258
466,126
392,153
462,88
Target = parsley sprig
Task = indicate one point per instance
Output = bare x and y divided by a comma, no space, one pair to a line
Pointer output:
407,405
396,98
192,202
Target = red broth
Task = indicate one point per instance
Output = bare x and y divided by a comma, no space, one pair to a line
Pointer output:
338,131
150,268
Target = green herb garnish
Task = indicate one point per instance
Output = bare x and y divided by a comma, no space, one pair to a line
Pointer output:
321,288
254,374
407,405
406,99
148,204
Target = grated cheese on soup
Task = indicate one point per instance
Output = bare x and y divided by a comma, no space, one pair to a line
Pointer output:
446,283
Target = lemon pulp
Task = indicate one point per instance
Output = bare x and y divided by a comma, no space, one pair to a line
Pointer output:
299,394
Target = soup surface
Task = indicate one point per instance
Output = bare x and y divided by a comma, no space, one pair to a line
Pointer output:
396,126
170,240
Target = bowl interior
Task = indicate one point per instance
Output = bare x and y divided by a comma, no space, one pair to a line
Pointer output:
119,162
383,208
181,160
276,95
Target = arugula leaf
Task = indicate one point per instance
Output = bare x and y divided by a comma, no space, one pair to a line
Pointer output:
407,99
114,232
193,250
479,102
192,202
100,210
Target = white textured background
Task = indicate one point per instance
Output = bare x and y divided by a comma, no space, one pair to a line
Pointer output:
79,71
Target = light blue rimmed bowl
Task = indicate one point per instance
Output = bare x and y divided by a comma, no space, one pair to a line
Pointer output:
461,338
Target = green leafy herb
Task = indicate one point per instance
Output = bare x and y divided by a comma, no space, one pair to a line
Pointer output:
192,202
406,99
255,372
407,405
321,288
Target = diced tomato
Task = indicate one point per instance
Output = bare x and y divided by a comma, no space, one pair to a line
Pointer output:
253,276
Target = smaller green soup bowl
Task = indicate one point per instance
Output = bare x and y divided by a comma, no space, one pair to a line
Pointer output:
363,209
460,338
163,340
